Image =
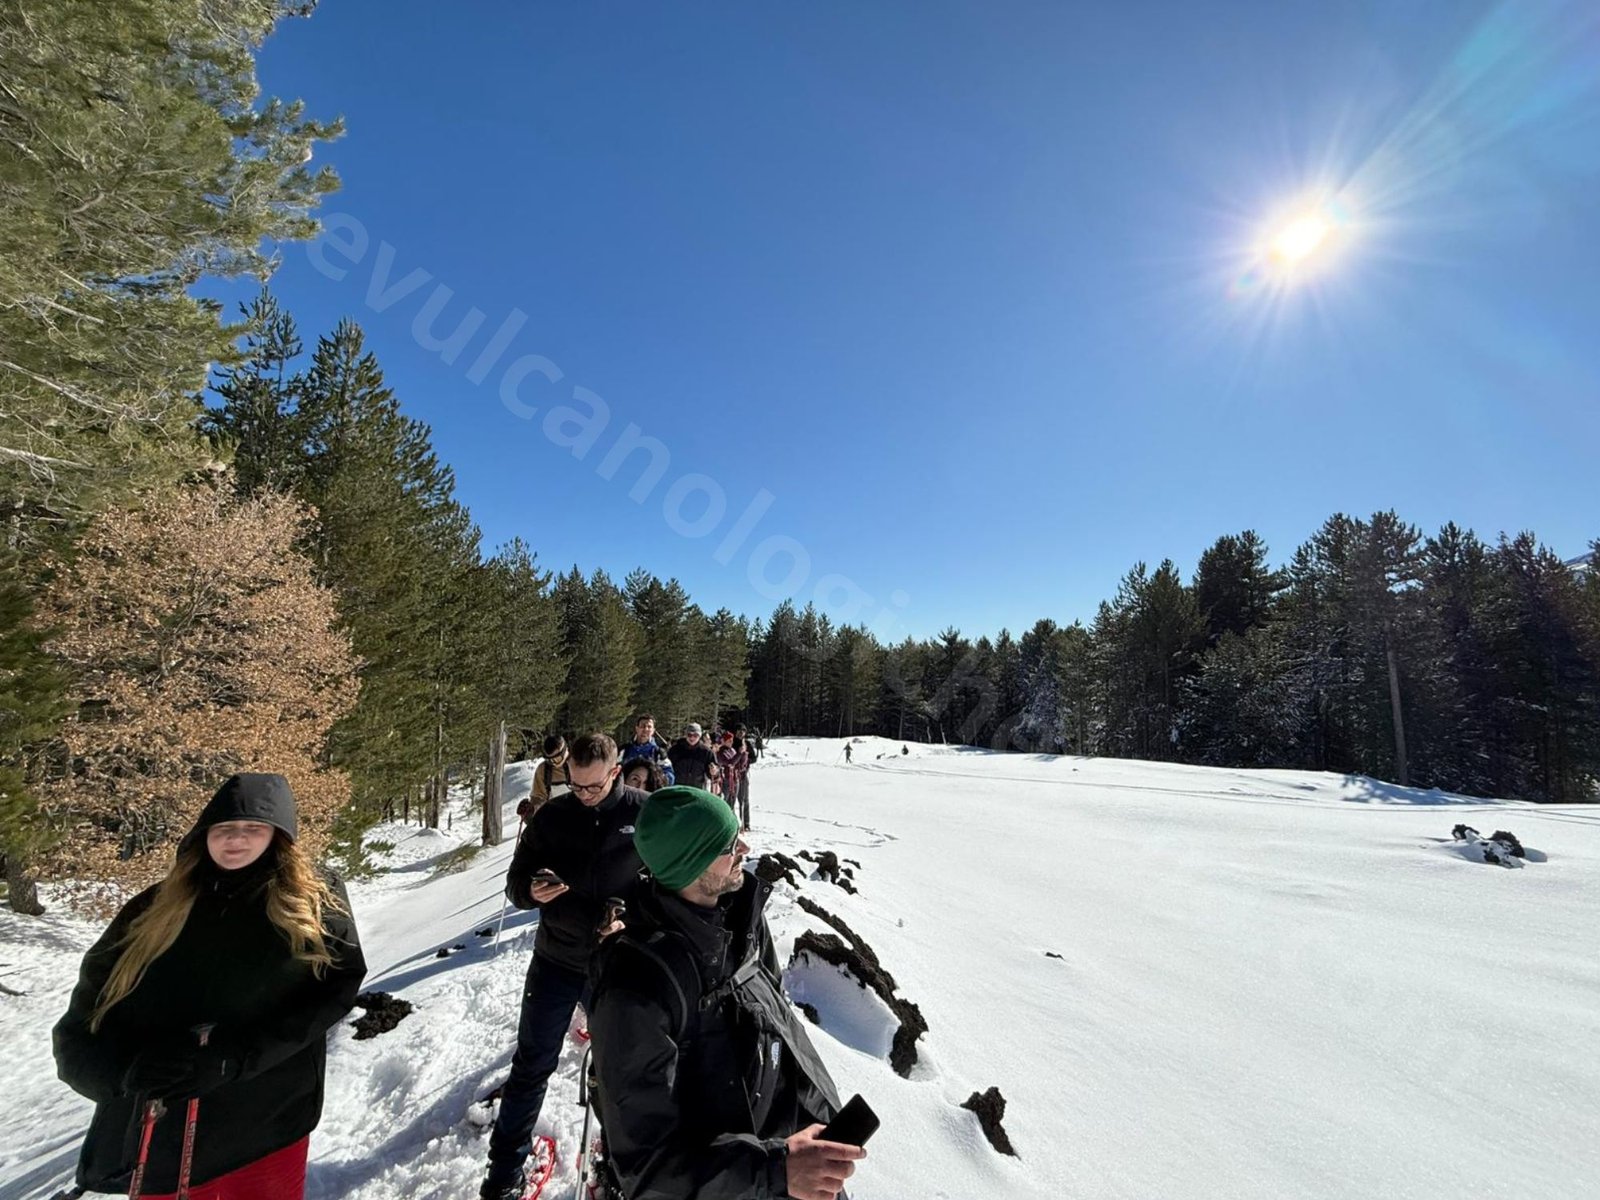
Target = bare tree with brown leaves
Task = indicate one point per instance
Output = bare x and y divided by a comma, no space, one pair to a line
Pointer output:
200,645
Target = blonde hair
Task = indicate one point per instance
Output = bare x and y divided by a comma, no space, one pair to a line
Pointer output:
298,898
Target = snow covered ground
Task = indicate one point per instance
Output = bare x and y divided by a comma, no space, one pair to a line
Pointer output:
1186,982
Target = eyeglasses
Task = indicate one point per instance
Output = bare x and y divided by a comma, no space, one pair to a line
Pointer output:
733,846
594,789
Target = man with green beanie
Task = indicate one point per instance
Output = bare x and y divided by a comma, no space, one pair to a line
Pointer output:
687,1007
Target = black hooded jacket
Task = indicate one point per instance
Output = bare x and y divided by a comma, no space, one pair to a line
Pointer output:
591,850
230,968
698,1094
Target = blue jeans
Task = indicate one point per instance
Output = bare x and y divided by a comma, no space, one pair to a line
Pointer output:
549,997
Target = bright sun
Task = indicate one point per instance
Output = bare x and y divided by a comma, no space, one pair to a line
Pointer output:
1300,239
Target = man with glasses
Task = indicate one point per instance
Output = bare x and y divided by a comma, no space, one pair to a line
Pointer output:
575,854
707,1083
693,762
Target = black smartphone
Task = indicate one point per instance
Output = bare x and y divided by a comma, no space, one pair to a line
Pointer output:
616,909
543,876
852,1125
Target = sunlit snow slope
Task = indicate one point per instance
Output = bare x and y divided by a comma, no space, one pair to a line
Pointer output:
1186,982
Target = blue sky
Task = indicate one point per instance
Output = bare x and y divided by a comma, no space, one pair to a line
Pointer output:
972,292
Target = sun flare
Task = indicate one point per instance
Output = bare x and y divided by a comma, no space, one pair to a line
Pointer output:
1300,239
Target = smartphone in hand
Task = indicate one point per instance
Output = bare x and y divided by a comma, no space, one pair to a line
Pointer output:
616,909
852,1125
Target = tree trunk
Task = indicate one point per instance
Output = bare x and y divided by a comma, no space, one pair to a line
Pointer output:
22,889
492,794
1399,721
439,788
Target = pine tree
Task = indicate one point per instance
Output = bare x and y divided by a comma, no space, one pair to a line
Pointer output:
134,158
257,419
1040,726
400,552
853,680
1554,675
32,702
1461,738
725,660
666,680
1234,588
526,667
602,644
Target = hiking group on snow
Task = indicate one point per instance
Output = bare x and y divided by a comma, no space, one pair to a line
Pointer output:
198,1024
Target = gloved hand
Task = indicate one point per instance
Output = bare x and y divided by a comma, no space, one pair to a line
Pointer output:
171,1071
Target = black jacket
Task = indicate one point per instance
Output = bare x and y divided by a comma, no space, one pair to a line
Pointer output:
690,764
591,850
697,1098
232,968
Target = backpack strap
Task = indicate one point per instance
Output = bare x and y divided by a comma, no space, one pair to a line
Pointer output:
673,958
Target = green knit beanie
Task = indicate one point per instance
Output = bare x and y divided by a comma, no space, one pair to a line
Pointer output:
680,832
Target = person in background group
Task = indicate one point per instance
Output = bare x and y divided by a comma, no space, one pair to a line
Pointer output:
573,856
732,762
693,762
549,779
847,754
741,740
246,940
644,775
708,1084
644,745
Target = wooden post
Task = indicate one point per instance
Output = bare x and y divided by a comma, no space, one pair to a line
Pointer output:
493,800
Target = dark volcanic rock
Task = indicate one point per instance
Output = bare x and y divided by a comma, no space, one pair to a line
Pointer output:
862,965
383,1013
991,1107
774,866
1509,841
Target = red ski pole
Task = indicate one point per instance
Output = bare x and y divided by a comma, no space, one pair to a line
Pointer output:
190,1120
152,1114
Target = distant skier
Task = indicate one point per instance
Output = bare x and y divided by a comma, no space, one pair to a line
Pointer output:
847,754
574,855
693,762
644,745
248,941
708,1084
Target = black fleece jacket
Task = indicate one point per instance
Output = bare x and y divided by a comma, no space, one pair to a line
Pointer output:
591,850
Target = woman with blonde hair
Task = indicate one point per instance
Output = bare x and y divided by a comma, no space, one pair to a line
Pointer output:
198,1024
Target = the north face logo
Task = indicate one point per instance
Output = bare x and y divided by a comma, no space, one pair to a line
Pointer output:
626,829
